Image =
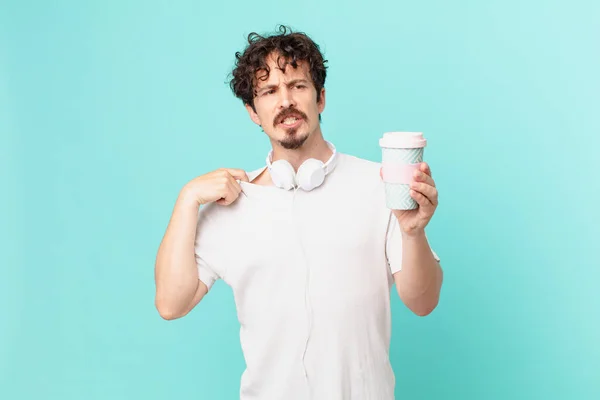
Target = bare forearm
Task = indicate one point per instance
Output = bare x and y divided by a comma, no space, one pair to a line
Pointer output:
175,271
420,279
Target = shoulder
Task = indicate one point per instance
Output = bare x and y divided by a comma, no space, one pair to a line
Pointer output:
359,179
254,173
357,168
357,163
215,216
214,226
207,214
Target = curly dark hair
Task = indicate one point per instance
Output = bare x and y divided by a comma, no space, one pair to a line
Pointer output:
290,47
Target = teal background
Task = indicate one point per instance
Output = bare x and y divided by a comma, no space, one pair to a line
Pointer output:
108,108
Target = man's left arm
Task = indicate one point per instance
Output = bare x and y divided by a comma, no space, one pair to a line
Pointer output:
419,281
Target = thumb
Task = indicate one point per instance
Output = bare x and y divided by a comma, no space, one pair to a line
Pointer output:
238,174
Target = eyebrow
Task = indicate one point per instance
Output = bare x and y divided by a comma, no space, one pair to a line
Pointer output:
290,83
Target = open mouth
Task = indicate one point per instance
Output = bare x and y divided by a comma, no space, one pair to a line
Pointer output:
291,121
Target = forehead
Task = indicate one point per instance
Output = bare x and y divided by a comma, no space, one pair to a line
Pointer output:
277,75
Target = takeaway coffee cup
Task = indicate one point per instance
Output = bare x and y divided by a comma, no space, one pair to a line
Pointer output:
402,153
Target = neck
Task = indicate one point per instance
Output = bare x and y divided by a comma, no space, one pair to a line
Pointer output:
314,147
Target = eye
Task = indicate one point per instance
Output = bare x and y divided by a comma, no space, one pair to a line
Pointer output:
300,86
268,92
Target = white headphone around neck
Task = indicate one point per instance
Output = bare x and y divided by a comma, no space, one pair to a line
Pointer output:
310,175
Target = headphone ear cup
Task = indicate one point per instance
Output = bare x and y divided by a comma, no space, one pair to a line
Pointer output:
311,174
283,174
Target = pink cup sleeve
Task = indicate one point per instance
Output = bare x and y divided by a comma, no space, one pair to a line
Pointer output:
398,173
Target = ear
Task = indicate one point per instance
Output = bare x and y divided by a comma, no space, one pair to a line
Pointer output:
253,115
321,103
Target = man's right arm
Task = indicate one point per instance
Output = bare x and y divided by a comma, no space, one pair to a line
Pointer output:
178,287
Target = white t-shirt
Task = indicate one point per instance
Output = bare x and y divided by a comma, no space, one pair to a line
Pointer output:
311,274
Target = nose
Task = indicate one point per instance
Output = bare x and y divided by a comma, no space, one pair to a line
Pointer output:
287,98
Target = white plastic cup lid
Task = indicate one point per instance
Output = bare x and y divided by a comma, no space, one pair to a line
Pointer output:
402,140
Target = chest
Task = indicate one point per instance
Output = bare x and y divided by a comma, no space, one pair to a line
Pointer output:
320,245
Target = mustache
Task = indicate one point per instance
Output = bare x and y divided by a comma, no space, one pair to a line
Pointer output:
288,112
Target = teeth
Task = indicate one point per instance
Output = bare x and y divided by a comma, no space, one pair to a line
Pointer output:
290,120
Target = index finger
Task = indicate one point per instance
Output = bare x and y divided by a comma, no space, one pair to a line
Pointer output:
238,174
425,168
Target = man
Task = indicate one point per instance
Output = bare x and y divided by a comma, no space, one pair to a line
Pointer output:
306,242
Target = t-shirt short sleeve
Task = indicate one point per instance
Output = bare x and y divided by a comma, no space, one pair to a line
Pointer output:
393,245
204,248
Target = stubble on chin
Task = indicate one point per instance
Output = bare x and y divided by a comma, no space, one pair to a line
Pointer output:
293,140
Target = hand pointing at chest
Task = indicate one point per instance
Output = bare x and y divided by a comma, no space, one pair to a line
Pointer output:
220,186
